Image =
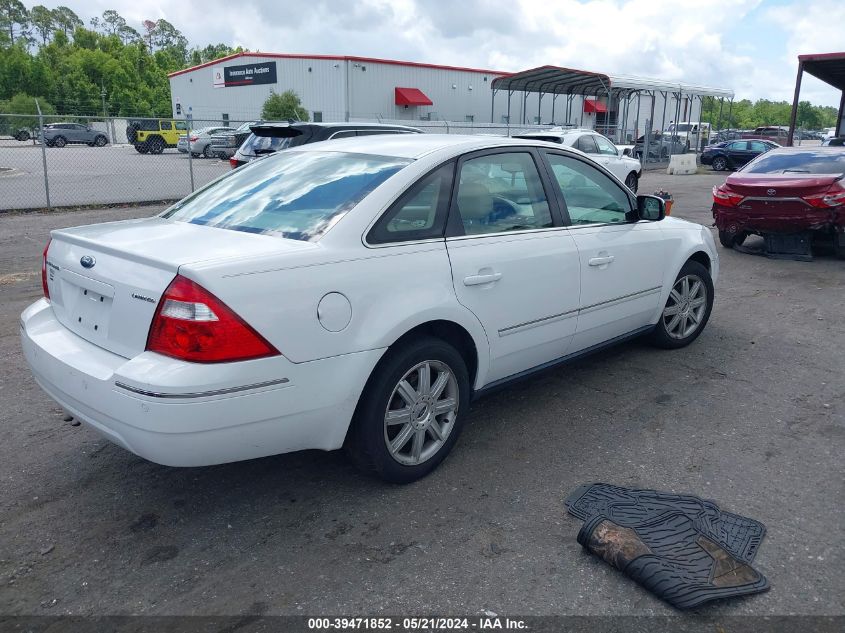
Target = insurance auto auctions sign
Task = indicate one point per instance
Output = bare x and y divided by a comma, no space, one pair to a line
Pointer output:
244,75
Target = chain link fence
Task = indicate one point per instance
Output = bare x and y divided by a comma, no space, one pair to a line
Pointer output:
73,161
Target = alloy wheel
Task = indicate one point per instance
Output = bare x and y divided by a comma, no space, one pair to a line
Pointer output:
684,312
421,412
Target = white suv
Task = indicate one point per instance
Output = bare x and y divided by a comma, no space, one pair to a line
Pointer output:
597,147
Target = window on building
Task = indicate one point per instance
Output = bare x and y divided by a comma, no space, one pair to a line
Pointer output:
469,118
318,117
225,118
505,118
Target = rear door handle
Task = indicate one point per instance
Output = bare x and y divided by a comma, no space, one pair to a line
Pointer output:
601,261
478,280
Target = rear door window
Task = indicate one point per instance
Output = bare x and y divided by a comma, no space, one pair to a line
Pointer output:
605,146
501,192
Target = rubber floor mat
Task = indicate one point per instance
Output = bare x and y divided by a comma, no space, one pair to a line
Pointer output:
682,548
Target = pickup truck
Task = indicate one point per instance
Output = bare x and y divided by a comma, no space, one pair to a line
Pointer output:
775,133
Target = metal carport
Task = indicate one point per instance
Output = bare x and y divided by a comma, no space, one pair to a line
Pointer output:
830,68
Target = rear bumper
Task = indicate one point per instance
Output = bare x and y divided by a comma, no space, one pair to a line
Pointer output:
801,218
184,414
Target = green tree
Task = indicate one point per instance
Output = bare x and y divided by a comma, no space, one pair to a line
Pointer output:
14,19
112,22
282,107
66,20
42,20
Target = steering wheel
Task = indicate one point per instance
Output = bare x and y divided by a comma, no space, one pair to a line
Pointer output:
502,208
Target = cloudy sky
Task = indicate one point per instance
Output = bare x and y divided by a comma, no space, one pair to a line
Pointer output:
748,45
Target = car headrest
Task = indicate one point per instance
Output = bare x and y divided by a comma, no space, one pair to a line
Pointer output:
474,201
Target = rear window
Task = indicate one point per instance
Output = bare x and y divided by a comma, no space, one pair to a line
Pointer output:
297,195
257,145
809,162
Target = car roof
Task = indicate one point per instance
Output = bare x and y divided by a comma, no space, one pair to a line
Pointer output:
339,124
418,145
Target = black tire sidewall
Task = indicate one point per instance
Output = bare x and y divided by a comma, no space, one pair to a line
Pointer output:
632,176
660,336
365,440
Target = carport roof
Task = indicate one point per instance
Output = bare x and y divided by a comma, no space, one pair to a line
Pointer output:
554,80
829,67
560,80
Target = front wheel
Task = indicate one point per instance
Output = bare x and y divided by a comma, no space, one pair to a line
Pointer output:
632,182
100,141
687,309
720,163
411,412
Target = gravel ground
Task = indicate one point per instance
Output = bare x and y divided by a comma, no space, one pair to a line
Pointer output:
750,415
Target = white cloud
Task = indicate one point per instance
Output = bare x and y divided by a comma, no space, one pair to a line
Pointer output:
689,40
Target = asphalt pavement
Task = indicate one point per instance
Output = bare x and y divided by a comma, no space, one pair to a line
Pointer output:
751,415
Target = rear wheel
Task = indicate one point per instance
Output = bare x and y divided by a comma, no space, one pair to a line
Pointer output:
206,151
142,148
59,141
687,309
720,163
411,412
632,182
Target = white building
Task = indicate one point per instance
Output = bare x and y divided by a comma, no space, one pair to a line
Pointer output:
335,88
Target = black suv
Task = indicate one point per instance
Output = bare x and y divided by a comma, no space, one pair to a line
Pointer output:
269,137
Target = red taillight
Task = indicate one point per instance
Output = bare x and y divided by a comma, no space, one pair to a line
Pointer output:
725,197
833,197
233,162
192,324
44,285
193,139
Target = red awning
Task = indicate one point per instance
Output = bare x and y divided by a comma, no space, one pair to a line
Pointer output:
411,97
591,105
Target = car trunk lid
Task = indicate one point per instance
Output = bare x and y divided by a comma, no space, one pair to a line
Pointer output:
788,185
106,280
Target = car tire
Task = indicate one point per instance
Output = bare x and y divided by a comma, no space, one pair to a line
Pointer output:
59,141
142,148
720,163
101,141
664,155
156,145
687,308
402,447
206,151
632,182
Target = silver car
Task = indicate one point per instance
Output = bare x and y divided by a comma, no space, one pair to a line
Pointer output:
200,141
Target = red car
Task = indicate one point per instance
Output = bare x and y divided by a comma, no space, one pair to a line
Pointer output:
787,191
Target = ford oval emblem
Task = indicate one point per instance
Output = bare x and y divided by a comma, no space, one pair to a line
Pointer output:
771,192
87,261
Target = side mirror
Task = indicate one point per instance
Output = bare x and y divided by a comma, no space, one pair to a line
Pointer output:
651,208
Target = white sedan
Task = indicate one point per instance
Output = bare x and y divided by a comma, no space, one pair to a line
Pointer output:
356,293
600,148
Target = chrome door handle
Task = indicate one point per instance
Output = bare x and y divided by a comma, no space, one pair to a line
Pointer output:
601,261
478,280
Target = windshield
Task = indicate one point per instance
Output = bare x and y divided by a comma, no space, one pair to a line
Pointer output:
298,195
809,162
681,127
